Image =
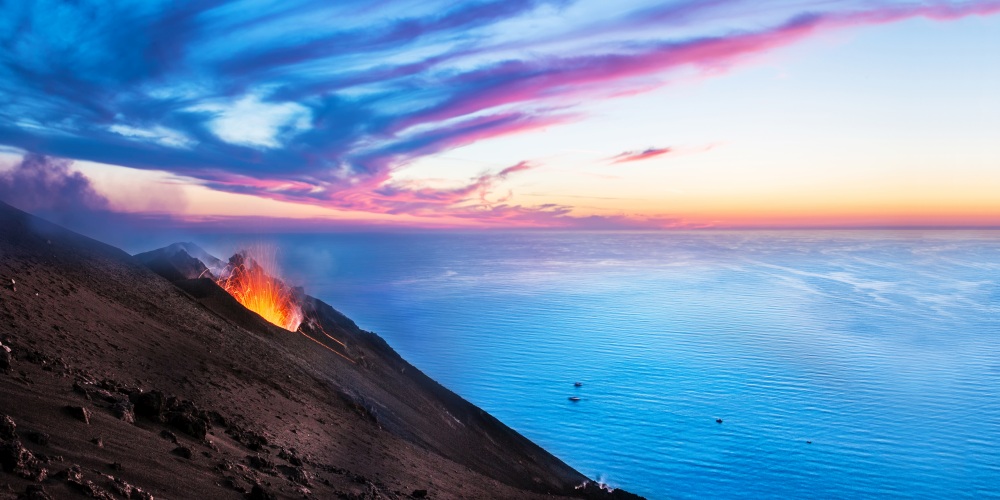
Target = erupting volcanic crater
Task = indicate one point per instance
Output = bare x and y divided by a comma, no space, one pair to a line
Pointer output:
250,278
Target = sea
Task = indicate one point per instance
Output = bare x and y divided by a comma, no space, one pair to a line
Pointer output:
712,364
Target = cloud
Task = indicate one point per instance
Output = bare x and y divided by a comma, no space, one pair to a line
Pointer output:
630,156
251,122
324,102
46,185
469,200
519,167
49,188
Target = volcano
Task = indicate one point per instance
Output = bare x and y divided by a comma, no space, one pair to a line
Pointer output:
142,377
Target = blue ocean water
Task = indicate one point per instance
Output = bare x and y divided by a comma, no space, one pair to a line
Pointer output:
843,364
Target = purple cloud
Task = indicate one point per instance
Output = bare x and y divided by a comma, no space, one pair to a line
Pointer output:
49,188
46,185
462,201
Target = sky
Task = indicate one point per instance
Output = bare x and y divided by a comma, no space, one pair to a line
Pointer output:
584,114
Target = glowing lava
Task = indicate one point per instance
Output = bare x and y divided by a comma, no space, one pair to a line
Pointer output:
249,278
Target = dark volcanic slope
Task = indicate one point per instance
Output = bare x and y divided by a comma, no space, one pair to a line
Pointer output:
176,262
192,396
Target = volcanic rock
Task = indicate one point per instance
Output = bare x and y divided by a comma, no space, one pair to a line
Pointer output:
291,456
250,439
297,475
72,473
123,409
419,494
140,494
183,452
260,463
16,459
595,491
88,488
78,412
233,483
149,404
130,491
187,423
82,388
216,418
169,436
259,493
8,429
36,357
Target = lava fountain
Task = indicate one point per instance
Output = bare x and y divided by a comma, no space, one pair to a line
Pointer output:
250,277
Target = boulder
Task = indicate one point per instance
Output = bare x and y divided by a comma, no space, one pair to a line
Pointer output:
78,412
149,404
123,409
188,424
169,436
259,493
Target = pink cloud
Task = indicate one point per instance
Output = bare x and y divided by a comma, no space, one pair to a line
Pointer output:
519,167
630,156
414,199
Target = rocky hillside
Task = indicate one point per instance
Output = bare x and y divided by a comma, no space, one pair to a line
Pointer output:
121,382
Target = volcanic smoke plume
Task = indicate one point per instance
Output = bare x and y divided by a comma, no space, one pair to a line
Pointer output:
250,278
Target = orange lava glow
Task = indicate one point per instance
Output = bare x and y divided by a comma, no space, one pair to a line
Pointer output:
250,279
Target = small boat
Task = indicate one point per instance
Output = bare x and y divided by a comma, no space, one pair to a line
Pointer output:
577,384
574,399
718,420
